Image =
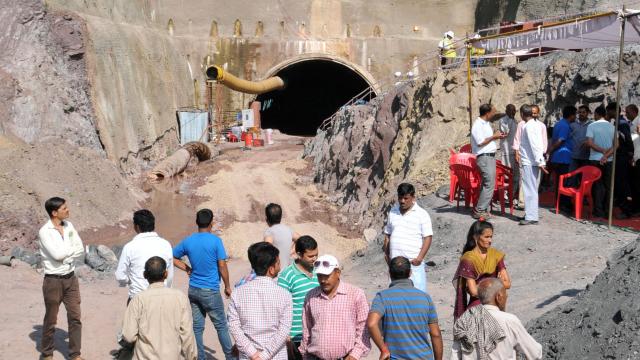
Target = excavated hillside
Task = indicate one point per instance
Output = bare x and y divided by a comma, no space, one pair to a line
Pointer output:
405,135
603,321
49,145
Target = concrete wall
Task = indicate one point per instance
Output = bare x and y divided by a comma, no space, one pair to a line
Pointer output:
143,55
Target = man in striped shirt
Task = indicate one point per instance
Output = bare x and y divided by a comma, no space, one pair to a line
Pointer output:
408,233
408,316
298,278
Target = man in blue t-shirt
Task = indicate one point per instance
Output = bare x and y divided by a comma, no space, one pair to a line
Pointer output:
600,140
207,258
561,148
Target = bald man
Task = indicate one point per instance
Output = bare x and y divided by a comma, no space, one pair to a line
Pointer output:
497,326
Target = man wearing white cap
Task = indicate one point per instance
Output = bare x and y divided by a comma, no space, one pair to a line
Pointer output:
447,50
334,317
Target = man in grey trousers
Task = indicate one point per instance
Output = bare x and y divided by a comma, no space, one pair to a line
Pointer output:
483,145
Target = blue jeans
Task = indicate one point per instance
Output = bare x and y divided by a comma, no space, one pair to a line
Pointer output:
208,301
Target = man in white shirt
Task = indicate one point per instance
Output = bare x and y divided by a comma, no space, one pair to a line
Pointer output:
408,233
60,247
493,323
483,145
531,152
141,248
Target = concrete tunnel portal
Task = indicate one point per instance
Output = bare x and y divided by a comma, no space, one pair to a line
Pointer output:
314,89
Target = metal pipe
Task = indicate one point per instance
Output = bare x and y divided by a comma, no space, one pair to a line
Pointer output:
623,21
6,260
218,74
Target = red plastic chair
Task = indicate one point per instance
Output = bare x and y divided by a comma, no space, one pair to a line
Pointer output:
465,148
458,158
504,184
590,174
468,181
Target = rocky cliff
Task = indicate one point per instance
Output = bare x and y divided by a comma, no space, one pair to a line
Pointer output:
44,91
405,135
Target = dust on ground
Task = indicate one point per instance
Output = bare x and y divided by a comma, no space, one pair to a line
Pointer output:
30,174
549,264
236,186
246,181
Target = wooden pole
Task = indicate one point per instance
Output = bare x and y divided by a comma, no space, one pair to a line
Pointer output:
623,21
469,86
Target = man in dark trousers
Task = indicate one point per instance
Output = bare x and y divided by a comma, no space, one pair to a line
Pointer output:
60,247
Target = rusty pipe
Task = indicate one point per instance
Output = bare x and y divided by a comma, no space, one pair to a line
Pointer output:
218,74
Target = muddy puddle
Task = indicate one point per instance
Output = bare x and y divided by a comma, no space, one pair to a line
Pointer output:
170,203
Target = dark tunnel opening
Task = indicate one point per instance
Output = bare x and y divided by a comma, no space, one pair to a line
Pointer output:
314,90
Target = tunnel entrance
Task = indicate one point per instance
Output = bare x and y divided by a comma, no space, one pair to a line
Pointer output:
314,90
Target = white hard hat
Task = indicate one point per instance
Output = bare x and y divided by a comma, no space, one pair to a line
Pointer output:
449,34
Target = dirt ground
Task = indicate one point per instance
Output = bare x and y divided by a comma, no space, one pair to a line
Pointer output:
549,264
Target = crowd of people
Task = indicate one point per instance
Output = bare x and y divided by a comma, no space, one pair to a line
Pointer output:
532,150
303,310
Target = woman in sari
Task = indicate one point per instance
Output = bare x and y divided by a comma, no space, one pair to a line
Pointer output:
479,261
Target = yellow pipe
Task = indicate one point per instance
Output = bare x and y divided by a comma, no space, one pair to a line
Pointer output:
216,73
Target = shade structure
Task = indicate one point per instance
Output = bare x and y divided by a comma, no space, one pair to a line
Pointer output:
594,31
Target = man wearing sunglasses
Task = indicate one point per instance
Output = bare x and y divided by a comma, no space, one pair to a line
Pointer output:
334,317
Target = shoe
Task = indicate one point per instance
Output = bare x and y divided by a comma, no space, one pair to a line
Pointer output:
528,222
519,218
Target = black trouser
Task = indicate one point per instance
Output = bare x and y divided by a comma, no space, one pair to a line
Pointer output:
561,169
292,350
622,182
576,164
600,190
635,189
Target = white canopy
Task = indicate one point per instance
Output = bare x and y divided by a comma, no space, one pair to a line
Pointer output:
595,31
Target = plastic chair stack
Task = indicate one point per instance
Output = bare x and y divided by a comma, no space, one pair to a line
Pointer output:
467,182
590,174
458,158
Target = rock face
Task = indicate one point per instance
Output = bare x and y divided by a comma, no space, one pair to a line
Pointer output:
44,92
603,321
405,135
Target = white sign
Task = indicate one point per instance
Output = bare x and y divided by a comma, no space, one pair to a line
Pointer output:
247,119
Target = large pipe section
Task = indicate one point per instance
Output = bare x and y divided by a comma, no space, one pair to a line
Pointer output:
218,74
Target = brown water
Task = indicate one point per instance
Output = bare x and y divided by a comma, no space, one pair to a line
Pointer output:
173,209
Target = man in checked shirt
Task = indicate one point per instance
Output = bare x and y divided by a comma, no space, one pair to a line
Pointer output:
334,317
260,311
